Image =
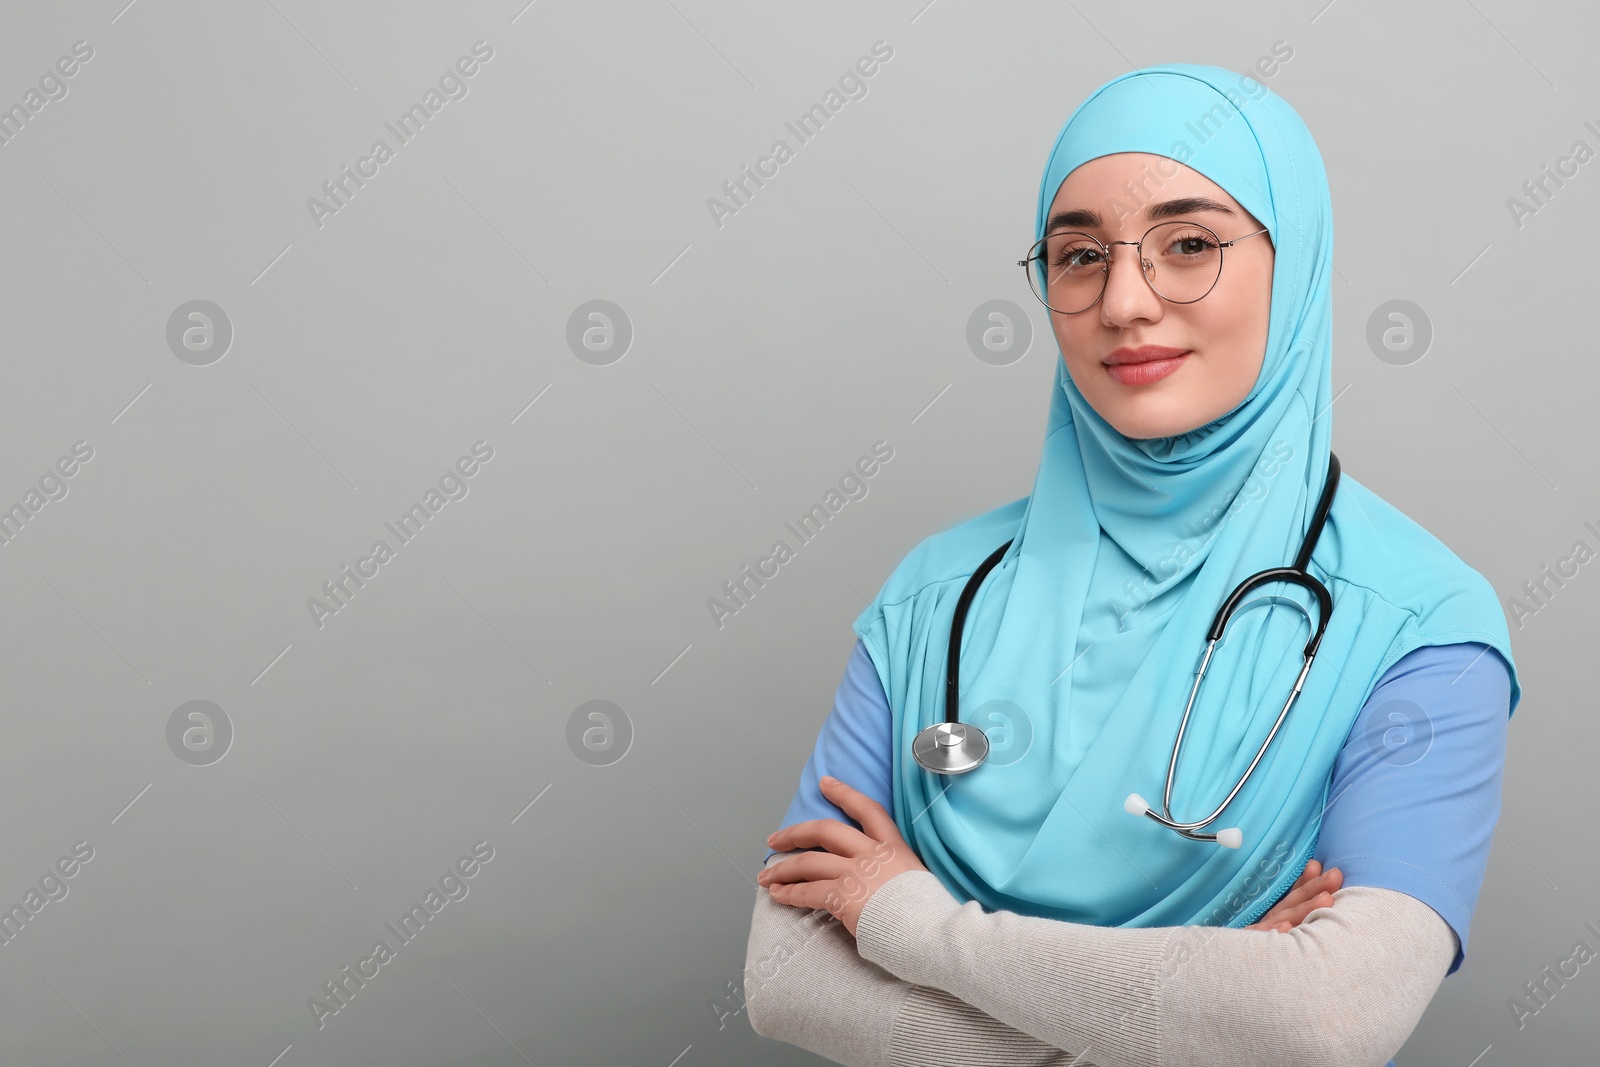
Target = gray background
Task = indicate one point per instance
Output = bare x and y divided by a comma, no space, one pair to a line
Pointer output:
768,354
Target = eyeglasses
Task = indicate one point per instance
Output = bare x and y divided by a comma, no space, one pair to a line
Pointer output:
1068,270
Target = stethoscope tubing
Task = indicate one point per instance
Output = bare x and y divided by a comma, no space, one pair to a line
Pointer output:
945,738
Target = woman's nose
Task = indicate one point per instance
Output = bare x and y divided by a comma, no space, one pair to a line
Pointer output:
1128,295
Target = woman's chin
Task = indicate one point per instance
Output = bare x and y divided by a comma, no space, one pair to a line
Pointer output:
1147,425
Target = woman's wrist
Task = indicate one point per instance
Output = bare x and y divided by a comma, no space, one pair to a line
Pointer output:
893,928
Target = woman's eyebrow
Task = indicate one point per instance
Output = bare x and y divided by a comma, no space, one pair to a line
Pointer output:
1164,209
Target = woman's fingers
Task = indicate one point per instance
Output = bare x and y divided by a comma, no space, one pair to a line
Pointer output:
1297,914
1312,890
1292,915
815,895
817,880
1307,888
806,867
1312,872
1320,888
876,822
830,834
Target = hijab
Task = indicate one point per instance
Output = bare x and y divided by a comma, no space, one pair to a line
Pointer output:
1080,648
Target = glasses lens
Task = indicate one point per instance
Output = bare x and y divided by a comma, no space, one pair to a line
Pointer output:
1068,271
1182,261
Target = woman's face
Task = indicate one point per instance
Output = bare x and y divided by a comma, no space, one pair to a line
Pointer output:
1223,335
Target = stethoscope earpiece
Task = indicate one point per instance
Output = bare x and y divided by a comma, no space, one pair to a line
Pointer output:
1232,837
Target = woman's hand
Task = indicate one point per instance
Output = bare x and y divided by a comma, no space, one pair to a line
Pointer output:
1312,890
856,862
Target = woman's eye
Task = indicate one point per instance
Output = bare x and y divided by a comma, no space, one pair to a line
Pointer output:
1191,245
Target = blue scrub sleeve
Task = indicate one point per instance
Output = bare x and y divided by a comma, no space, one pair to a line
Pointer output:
1415,793
1413,800
853,746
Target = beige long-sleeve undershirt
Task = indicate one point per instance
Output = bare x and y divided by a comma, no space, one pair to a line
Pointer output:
928,980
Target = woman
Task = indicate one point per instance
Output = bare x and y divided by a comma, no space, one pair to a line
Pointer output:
1017,912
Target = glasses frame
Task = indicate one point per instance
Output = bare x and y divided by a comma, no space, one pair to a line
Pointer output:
1036,251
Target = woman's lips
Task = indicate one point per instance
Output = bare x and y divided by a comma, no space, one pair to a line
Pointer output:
1146,372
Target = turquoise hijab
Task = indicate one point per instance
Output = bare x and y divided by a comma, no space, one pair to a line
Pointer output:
1079,650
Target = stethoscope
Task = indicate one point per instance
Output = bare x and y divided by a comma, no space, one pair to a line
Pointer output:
954,747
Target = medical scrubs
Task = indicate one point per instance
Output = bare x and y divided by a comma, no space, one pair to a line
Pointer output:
1407,811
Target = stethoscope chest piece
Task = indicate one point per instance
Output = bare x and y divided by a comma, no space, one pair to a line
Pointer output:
950,747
